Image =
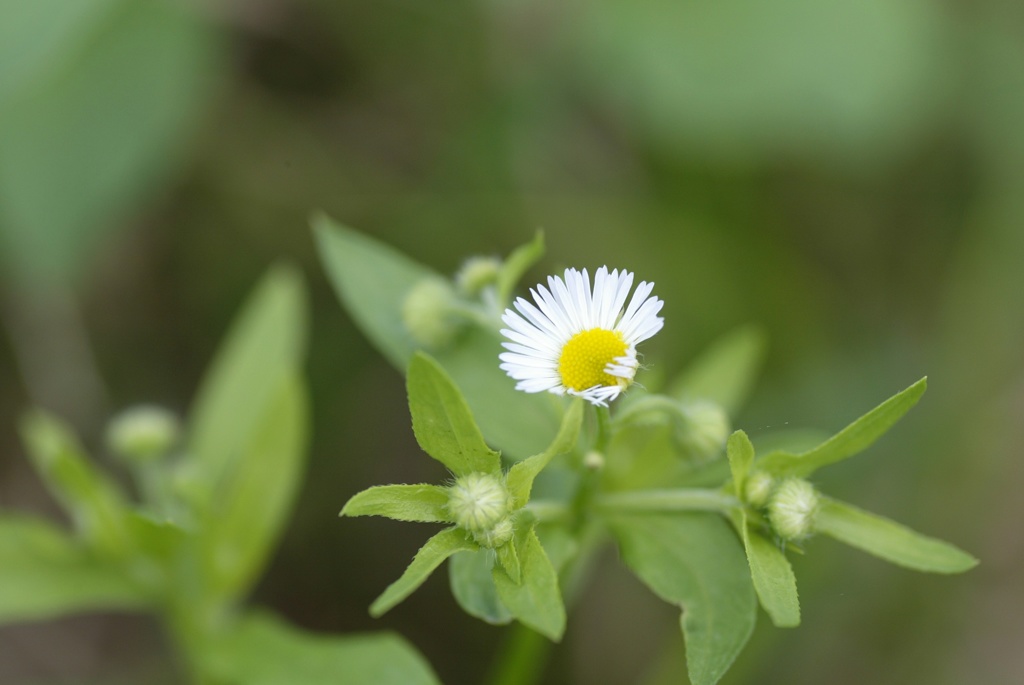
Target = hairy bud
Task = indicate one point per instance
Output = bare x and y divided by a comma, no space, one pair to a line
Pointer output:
793,508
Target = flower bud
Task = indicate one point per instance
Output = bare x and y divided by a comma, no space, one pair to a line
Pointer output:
142,433
705,430
429,315
757,488
793,508
479,503
497,536
476,274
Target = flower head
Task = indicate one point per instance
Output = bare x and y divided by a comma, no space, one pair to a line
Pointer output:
577,340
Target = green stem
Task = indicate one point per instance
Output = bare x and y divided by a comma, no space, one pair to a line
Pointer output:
522,659
604,422
547,511
680,499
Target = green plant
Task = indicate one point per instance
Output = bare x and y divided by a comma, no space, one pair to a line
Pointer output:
696,515
209,511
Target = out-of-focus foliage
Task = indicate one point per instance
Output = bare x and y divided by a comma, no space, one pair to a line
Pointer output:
848,176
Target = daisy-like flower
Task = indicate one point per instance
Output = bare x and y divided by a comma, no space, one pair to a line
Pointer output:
575,340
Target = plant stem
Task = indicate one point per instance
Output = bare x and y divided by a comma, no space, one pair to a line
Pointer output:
522,659
679,499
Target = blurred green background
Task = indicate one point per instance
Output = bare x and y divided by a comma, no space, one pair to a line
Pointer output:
848,175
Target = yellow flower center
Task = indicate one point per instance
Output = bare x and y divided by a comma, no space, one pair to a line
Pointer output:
585,357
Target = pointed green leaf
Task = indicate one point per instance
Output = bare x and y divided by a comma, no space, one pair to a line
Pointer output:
856,437
889,540
430,556
509,560
442,422
694,561
248,515
372,280
517,263
537,600
426,503
522,475
473,586
741,456
725,373
45,574
265,346
264,650
773,578
94,502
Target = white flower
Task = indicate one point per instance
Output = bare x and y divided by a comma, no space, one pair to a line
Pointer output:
577,341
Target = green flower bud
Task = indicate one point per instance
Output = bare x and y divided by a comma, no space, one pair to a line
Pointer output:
757,488
497,536
705,430
476,274
429,315
792,509
480,503
142,433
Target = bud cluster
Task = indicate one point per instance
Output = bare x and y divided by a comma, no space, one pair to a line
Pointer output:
480,504
791,504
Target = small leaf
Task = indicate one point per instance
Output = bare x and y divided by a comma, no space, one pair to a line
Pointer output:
264,650
741,456
372,280
536,601
473,587
250,511
889,540
522,475
430,556
509,560
265,346
45,574
773,578
856,437
725,373
517,263
694,561
94,502
442,422
425,503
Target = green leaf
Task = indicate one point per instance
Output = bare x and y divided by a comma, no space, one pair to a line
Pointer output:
136,76
442,422
426,503
472,586
856,437
264,650
741,457
521,475
265,346
725,373
251,509
45,574
773,578
889,540
94,502
695,562
509,560
517,263
372,281
430,556
536,601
